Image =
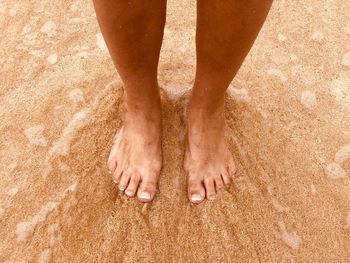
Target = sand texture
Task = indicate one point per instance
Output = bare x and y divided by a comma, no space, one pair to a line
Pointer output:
288,126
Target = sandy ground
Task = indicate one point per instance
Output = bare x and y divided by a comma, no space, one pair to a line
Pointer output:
288,126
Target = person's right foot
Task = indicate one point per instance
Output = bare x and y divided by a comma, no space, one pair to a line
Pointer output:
135,159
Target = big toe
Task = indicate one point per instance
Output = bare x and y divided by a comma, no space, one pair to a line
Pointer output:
196,191
147,189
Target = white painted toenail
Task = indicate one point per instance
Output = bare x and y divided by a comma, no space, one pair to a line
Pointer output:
145,195
196,198
121,188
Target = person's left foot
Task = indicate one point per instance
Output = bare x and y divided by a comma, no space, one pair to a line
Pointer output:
208,161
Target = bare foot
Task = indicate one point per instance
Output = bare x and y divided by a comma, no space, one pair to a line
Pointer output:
208,161
135,158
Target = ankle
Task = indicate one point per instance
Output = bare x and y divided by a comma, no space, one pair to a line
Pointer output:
203,101
145,121
203,110
147,106
205,118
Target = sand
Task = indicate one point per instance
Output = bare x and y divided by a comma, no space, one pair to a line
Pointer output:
288,128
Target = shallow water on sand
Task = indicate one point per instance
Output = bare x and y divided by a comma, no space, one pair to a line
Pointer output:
287,115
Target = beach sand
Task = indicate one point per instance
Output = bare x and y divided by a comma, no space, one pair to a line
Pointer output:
288,127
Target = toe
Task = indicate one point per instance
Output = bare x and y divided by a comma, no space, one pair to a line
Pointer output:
147,189
124,180
209,188
226,177
196,191
117,174
219,184
112,161
232,169
111,164
133,185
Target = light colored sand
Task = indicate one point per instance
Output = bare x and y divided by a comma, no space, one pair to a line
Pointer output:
287,124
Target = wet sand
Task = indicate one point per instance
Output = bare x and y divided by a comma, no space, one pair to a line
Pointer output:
288,127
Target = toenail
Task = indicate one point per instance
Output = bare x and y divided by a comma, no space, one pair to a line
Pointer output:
128,193
145,195
211,198
121,188
196,198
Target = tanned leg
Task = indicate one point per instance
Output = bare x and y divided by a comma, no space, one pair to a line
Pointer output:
226,30
133,31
